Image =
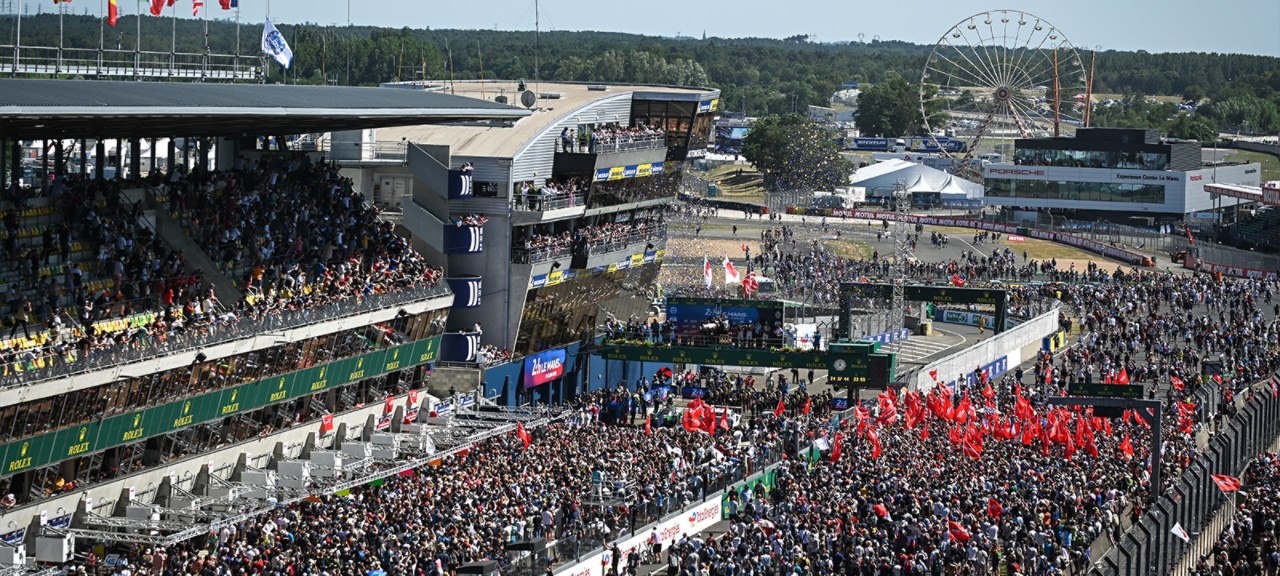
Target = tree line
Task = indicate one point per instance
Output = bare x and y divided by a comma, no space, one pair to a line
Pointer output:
758,76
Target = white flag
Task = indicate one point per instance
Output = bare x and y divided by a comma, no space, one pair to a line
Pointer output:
706,271
273,45
731,275
1179,532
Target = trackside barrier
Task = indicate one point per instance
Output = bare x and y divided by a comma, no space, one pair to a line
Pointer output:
1007,344
1192,499
1082,243
691,520
671,522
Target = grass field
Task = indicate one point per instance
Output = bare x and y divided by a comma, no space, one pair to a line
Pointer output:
1270,164
848,249
736,182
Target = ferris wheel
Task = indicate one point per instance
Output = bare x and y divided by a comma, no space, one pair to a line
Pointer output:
1001,75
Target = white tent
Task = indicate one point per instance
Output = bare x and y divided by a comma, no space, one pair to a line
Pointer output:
880,178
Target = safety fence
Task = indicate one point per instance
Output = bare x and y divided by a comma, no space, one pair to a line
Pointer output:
671,519
1193,501
1108,250
1217,259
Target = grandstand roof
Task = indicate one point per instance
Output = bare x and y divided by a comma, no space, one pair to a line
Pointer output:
484,141
35,109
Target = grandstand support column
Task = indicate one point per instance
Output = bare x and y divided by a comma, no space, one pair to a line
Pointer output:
4,164
15,159
119,156
135,158
100,160
57,158
224,154
152,167
202,150
84,157
901,231
173,155
44,163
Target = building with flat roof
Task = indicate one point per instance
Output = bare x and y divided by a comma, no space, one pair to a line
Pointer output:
1106,172
548,225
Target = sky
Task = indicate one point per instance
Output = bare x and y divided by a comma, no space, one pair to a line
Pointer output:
1228,26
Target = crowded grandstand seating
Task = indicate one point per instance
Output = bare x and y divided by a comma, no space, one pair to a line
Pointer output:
326,247
81,266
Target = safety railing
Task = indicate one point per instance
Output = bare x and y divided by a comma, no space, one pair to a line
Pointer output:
1192,500
120,63
30,368
543,203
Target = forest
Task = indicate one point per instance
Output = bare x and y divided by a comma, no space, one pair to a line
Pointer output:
757,76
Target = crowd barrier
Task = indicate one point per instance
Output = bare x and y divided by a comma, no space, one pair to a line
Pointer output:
669,522
995,354
1192,500
963,222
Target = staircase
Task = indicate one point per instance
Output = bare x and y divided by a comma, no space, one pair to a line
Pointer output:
174,236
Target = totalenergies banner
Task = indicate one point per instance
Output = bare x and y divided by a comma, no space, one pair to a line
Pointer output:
669,531
543,367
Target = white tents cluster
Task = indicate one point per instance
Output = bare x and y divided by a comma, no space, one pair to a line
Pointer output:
880,178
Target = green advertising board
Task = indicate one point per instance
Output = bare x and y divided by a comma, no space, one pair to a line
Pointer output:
123,429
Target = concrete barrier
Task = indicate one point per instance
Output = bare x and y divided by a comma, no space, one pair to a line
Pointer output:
995,354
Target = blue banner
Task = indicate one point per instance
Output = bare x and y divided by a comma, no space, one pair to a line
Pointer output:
839,403
544,367
466,291
693,392
460,184
723,317
463,239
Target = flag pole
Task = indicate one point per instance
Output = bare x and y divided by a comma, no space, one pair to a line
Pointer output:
173,45
137,40
102,33
237,38
62,9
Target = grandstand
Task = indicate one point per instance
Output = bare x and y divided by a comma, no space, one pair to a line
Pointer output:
568,198
242,306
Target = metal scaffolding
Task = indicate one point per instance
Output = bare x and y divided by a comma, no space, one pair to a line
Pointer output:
166,526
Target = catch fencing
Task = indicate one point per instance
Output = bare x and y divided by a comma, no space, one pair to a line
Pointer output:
1193,500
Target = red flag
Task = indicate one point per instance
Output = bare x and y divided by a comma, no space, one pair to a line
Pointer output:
984,376
835,447
933,374
413,398
724,419
994,509
113,13
780,410
987,392
957,532
157,7
326,424
196,5
1226,483
226,4
1048,373
888,410
808,405
1178,384
389,405
1123,378
648,423
1189,237
873,436
971,451
523,435
1126,447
